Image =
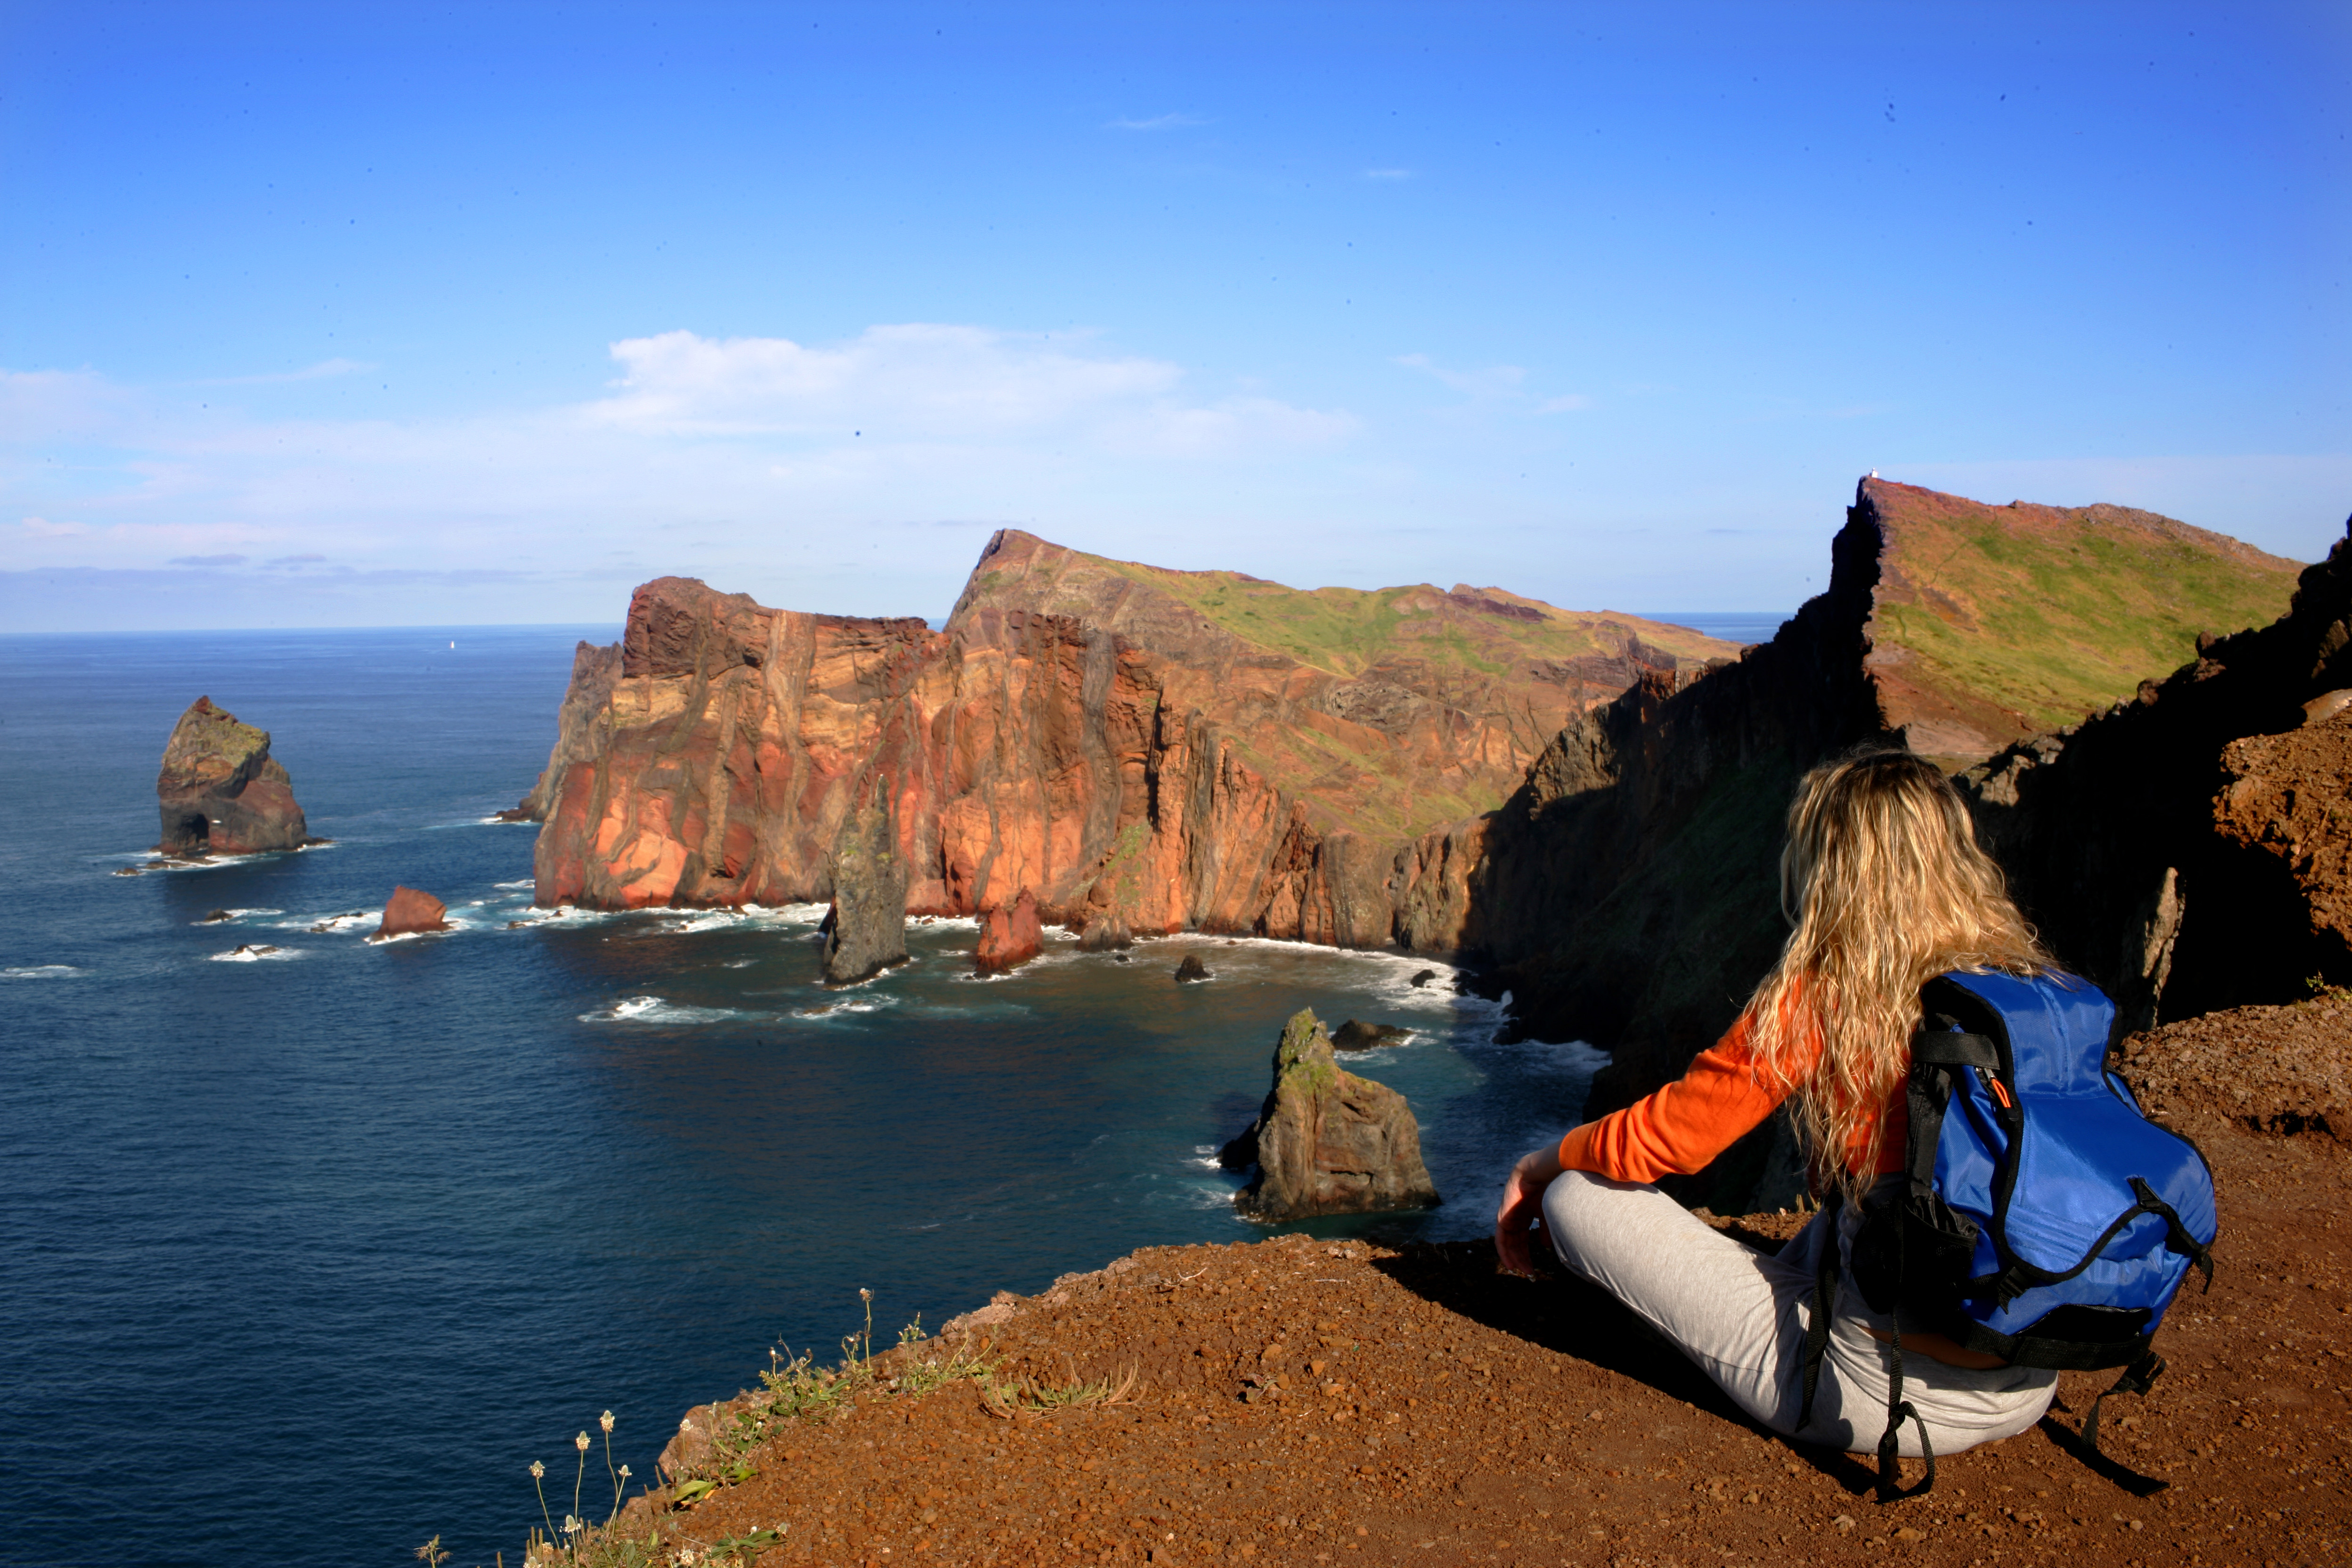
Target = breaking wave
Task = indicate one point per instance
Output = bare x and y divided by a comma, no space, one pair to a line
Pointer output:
654,1010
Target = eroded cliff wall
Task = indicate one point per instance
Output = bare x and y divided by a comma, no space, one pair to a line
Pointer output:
1110,738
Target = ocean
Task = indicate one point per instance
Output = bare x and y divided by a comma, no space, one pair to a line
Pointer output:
308,1255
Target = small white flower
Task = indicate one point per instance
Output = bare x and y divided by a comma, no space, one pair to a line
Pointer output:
624,1472
537,1470
605,1421
581,1442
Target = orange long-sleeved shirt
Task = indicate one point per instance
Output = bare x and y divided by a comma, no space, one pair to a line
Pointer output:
1705,1111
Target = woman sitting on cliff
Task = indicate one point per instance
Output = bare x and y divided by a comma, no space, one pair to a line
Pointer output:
1885,885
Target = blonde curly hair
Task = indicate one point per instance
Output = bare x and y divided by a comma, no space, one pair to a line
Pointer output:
1883,887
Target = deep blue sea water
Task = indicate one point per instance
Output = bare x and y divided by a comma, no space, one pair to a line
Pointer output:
304,1259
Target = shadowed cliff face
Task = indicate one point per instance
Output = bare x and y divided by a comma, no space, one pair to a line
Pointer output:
1629,891
1082,729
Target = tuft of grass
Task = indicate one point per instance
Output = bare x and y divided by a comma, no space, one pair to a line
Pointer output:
793,1388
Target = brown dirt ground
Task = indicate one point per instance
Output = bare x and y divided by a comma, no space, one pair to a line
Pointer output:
1430,1411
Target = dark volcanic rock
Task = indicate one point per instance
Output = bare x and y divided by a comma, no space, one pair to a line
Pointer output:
215,917
1425,977
1327,1141
1354,1037
1193,969
220,792
865,930
1010,938
409,912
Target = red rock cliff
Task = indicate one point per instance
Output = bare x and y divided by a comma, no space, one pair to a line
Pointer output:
1120,740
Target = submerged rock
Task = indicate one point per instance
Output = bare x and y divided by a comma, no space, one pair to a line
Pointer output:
1326,1141
410,912
1011,937
215,917
865,930
1425,977
1193,969
219,790
1354,1037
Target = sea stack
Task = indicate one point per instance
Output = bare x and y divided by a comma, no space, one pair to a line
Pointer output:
409,912
221,791
1327,1141
867,931
1011,937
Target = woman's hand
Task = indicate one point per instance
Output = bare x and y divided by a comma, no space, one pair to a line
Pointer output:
1522,1202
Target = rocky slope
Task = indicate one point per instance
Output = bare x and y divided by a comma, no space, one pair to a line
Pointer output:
1628,889
220,792
1154,750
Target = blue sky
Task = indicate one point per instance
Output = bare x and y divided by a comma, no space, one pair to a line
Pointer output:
423,314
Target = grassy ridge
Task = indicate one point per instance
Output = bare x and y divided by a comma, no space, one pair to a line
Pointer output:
2051,613
1349,630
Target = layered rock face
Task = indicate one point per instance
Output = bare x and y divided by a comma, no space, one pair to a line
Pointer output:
220,792
1327,1141
586,701
2190,849
1096,732
867,932
1629,891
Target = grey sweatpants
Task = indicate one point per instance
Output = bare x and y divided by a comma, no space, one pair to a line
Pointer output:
1741,1317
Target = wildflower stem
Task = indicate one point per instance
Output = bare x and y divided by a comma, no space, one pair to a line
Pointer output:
537,1470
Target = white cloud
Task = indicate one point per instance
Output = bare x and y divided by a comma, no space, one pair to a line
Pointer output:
1156,122
1387,173
918,379
782,450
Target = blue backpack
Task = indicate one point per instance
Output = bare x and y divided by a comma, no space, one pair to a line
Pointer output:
2043,1217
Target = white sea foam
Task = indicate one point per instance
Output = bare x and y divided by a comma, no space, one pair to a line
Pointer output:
507,887
345,924
255,953
40,972
654,1010
1204,1156
848,1007
236,915
941,922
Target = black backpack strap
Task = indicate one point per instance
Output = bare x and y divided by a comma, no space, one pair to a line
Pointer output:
2176,1237
2134,1380
1899,1410
1817,1331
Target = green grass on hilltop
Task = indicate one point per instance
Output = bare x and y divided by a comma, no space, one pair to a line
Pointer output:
2057,621
1349,630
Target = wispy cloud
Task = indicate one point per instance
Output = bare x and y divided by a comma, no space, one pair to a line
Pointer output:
1156,122
773,448
1497,385
1388,174
321,371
